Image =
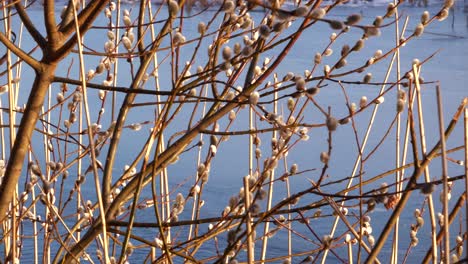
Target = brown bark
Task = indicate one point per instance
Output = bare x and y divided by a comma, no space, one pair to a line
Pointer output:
21,146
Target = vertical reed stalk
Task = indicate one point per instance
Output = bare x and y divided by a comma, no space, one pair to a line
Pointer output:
270,184
444,176
350,252
116,63
422,138
11,226
248,221
466,178
363,145
398,175
34,212
92,147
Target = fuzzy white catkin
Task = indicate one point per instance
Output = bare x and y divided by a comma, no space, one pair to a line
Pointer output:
173,7
127,21
363,102
127,43
254,97
201,28
418,31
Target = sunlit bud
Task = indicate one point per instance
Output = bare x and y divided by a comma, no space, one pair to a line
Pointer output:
441,219
324,157
336,24
237,48
425,17
135,126
131,36
107,13
353,107
379,100
301,11
414,241
344,121
359,45
378,54
109,46
353,19
420,221
318,13
332,123
418,31
225,66
318,58
264,31
229,6
178,38
344,211
67,123
247,22
288,76
371,240
326,69
291,104
174,8
390,10
409,76
327,239
372,31
257,70
126,12
366,219
232,115
77,96
363,102
300,84
60,98
127,21
448,3
449,196
201,28
112,6
400,105
417,212
100,68
402,95
348,238
127,43
341,63
328,52
230,96
378,21
254,97
247,51
443,14
3,89
102,94
90,74
367,78
35,170
278,26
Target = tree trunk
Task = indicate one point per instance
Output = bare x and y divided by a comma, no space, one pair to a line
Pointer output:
21,146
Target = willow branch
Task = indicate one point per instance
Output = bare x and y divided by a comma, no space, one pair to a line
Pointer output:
40,40
406,195
36,65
